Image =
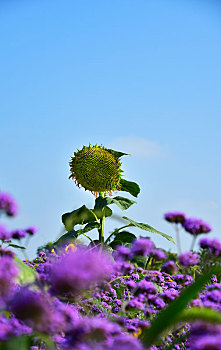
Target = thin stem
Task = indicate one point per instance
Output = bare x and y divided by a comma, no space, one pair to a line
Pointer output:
87,237
148,263
193,242
117,278
102,221
115,231
95,216
178,239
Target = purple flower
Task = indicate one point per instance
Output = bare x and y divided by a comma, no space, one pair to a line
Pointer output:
122,253
196,226
8,271
131,284
149,311
146,287
158,254
142,246
31,230
183,279
124,267
175,217
214,245
210,342
155,276
205,336
8,204
188,259
18,234
6,252
125,342
169,267
78,270
135,303
11,327
36,310
169,294
158,303
4,234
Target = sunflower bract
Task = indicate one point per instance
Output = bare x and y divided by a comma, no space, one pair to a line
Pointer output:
96,169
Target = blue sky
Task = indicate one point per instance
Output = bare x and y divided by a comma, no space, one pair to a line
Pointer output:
142,77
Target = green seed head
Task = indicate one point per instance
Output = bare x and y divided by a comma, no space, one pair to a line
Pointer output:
97,169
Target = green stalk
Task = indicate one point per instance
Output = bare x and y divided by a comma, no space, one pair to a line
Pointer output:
115,231
102,221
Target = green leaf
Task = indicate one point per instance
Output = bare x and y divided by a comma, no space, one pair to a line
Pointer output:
67,238
125,237
99,214
159,288
140,260
79,216
129,186
122,202
170,316
149,228
16,246
26,273
198,313
117,153
115,243
89,227
122,238
100,204
19,343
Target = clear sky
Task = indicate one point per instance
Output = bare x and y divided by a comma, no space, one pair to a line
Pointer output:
140,76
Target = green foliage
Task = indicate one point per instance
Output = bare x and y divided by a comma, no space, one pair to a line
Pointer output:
170,316
98,169
129,186
19,343
149,228
117,153
26,273
122,202
79,216
123,237
16,246
70,237
198,313
209,260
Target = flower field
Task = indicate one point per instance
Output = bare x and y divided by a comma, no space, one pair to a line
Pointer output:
114,293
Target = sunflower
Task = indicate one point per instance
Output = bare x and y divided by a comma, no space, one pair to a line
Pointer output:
97,169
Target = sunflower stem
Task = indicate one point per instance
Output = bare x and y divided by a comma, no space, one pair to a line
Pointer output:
102,221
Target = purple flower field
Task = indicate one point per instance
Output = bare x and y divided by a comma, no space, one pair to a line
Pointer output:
119,292
99,297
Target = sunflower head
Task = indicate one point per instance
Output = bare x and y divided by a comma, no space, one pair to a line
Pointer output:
97,169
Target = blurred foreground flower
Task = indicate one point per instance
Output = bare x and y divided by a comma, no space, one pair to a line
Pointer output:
8,204
77,271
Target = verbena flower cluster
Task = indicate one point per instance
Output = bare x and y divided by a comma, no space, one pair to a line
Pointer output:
91,299
97,298
193,226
